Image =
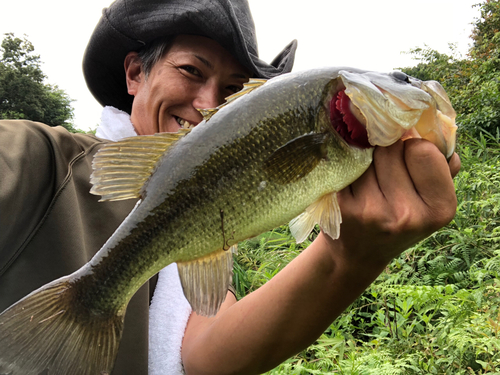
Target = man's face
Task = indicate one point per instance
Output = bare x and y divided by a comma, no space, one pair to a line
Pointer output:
196,72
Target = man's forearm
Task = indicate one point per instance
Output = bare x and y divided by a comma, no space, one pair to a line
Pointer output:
281,318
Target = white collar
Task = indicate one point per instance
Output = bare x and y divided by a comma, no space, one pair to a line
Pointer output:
115,125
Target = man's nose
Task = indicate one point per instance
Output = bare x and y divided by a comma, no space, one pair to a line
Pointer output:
208,96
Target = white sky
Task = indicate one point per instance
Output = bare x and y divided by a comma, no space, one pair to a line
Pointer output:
368,34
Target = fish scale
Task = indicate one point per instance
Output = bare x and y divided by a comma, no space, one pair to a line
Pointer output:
268,156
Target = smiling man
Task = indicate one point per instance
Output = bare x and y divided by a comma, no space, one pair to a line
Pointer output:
196,72
153,64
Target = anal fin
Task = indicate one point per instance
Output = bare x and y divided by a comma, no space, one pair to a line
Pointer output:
206,280
325,212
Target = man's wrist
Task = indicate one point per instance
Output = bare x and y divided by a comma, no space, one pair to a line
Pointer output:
348,267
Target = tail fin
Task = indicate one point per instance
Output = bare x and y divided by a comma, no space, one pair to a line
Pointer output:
45,331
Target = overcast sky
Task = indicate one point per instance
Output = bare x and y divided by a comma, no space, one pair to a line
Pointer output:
368,34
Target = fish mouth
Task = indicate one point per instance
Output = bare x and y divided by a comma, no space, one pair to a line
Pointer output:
185,124
348,120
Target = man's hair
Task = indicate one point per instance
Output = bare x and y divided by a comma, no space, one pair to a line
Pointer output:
152,52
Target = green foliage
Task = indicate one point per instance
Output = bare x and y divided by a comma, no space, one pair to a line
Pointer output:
262,257
486,30
23,93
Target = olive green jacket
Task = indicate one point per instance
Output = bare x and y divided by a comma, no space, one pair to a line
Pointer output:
50,225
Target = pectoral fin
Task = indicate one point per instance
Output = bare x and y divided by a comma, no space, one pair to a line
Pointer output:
122,168
325,212
206,280
296,159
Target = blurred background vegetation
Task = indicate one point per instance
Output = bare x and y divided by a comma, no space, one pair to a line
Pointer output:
24,94
436,308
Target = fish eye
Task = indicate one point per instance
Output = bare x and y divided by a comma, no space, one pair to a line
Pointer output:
400,76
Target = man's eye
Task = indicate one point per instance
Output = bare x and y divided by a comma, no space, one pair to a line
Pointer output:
191,70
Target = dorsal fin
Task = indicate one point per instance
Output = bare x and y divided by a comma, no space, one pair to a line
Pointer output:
121,168
207,113
249,86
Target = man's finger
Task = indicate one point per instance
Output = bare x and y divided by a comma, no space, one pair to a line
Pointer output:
392,173
454,164
431,177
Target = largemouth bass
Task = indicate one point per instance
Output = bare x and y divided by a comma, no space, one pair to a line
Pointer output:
278,151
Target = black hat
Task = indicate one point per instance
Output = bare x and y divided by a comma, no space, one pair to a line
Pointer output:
128,25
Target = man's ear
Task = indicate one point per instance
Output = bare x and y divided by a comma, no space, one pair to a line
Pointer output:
133,72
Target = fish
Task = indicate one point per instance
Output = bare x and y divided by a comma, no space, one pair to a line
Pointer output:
276,152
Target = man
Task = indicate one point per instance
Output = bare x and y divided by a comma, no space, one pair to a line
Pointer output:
53,226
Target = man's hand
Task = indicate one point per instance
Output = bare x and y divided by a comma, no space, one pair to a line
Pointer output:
405,195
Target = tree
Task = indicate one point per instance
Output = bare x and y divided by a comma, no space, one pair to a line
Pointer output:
486,30
473,83
23,93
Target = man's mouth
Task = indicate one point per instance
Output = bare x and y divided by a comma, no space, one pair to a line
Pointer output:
184,123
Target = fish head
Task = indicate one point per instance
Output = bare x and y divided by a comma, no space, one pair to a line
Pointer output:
341,114
395,106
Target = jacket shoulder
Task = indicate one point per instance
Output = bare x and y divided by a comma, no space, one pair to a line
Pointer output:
36,163
41,135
